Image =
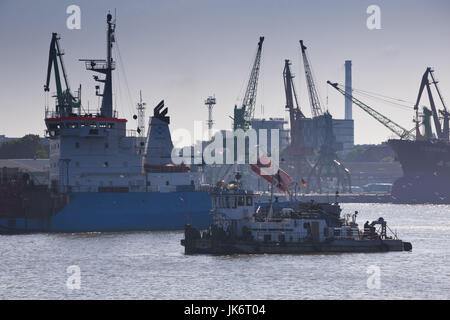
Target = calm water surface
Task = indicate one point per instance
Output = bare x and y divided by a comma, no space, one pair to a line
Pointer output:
151,265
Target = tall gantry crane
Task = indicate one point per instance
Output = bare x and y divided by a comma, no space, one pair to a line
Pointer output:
65,100
243,115
388,123
314,98
328,166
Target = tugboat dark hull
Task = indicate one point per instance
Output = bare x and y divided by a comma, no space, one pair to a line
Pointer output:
203,246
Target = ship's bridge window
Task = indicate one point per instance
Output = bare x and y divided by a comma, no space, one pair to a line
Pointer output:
249,201
93,125
102,125
240,201
110,125
227,202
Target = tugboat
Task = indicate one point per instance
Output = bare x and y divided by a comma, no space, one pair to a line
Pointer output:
242,227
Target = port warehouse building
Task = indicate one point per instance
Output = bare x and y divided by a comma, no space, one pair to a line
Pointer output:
343,130
36,168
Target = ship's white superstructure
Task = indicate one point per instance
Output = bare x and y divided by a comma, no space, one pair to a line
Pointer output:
95,152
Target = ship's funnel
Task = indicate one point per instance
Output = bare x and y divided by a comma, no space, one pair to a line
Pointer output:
159,144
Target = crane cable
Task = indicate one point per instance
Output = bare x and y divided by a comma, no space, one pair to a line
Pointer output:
405,104
122,69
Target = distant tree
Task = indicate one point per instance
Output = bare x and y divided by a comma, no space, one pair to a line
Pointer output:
28,147
370,153
356,154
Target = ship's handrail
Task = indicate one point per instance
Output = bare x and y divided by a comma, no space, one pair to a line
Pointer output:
98,64
300,236
131,188
53,114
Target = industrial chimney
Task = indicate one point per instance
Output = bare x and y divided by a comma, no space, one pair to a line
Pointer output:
348,89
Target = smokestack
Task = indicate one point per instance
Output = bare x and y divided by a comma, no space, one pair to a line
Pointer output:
348,89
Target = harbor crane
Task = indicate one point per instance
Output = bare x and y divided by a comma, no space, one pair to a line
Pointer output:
314,99
442,132
295,114
328,167
243,115
65,100
388,123
297,152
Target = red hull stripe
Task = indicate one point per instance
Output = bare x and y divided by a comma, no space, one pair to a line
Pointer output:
85,119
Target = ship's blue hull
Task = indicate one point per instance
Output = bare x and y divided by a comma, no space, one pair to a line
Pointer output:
113,212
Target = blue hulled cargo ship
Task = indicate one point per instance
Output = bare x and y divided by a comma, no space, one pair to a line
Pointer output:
102,177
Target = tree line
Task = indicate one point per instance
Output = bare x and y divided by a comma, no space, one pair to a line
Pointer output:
28,147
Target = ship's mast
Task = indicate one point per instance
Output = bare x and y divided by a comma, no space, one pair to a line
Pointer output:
105,67
141,116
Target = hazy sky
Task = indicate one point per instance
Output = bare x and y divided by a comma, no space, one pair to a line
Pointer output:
183,51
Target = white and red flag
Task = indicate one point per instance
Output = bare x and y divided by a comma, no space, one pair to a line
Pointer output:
267,170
